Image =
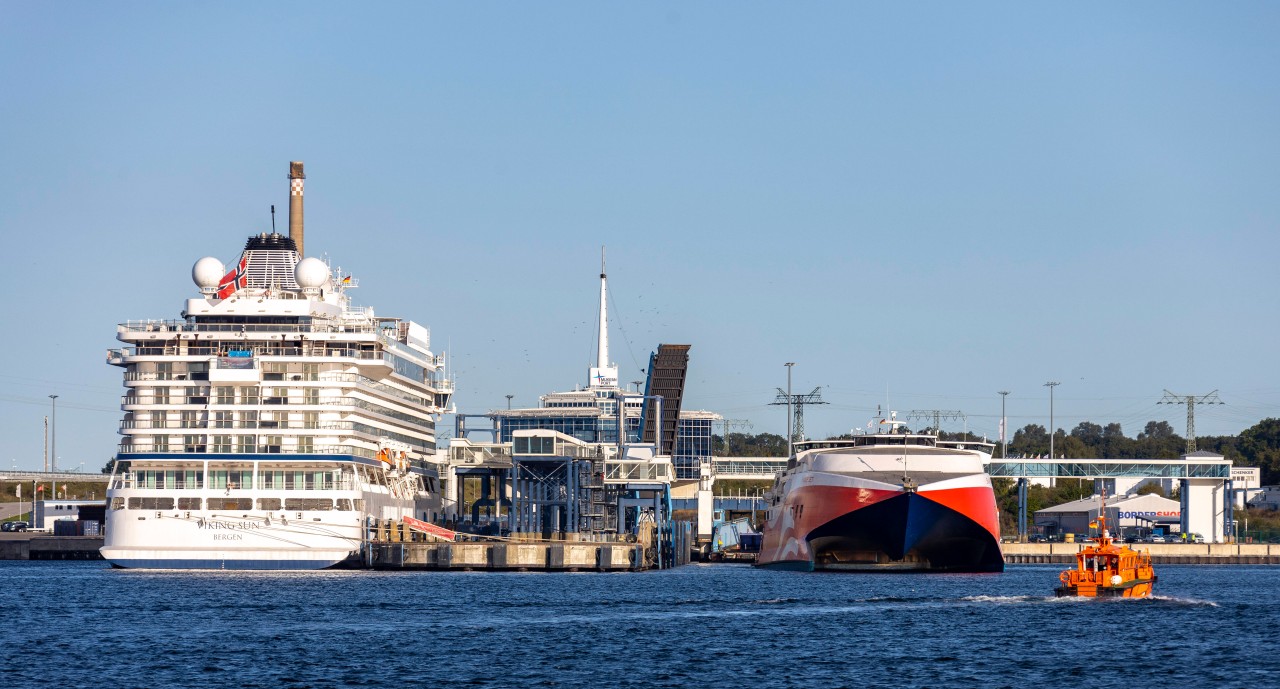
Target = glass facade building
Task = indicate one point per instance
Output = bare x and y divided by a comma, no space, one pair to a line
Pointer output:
693,431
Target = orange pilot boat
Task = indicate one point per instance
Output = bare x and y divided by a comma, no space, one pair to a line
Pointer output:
1107,570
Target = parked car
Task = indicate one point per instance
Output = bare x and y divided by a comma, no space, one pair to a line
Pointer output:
15,526
1038,538
1157,539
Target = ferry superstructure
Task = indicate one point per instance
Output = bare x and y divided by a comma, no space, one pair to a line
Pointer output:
274,421
884,501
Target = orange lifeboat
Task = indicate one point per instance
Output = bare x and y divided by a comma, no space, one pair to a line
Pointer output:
1107,570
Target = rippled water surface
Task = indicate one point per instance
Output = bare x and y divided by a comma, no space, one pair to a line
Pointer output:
82,624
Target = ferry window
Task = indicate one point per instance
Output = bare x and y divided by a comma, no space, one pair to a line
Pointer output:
306,444
295,480
230,504
189,503
162,395
270,480
308,504
160,443
248,395
344,504
193,443
117,503
272,443
222,443
231,479
244,443
150,503
269,504
193,479
224,394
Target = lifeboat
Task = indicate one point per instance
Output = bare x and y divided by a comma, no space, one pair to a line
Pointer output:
1107,570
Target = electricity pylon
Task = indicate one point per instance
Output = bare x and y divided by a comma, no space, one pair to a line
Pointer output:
1191,401
798,402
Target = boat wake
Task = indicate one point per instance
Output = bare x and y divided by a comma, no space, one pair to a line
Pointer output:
1188,602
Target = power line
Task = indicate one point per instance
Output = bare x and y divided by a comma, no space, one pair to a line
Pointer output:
1191,401
938,416
798,402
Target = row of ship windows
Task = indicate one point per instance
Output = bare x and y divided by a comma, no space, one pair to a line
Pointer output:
271,396
271,371
242,479
196,444
264,504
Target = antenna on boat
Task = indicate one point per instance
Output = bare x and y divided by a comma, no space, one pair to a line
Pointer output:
273,218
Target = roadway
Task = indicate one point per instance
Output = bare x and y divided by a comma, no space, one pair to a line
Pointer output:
11,509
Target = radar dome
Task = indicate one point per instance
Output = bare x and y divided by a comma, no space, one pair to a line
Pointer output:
207,272
311,273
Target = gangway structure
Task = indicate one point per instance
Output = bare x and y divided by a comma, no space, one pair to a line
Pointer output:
1204,481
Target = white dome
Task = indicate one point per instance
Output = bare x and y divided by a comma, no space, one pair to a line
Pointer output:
207,272
311,273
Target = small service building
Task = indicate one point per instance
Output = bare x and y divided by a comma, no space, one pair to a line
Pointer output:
1126,515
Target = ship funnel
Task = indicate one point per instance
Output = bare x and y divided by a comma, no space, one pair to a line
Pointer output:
295,204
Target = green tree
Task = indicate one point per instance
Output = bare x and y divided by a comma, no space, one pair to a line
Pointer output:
1088,433
1030,440
1152,488
1260,447
746,445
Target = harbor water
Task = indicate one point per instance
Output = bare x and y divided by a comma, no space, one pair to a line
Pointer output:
80,624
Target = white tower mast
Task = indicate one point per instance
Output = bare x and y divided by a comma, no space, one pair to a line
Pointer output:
602,359
603,374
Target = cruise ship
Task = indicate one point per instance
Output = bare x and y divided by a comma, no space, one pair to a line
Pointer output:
884,502
273,423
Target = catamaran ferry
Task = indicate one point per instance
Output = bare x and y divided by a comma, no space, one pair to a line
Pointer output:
884,501
274,422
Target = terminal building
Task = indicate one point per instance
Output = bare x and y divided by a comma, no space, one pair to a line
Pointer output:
591,413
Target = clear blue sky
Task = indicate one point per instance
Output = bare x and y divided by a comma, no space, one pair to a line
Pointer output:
921,202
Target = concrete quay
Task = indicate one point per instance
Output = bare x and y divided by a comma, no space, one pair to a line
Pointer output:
27,546
1161,553
520,557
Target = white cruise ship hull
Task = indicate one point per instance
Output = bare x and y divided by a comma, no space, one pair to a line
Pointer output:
252,541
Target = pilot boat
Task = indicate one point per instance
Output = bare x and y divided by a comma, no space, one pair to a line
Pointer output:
1107,570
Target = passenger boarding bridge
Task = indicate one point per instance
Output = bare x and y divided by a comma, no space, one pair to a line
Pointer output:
1204,479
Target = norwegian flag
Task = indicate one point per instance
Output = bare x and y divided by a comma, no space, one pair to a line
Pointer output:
234,280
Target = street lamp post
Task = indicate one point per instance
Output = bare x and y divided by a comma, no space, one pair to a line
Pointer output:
789,364
1051,385
509,401
1004,427
53,445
